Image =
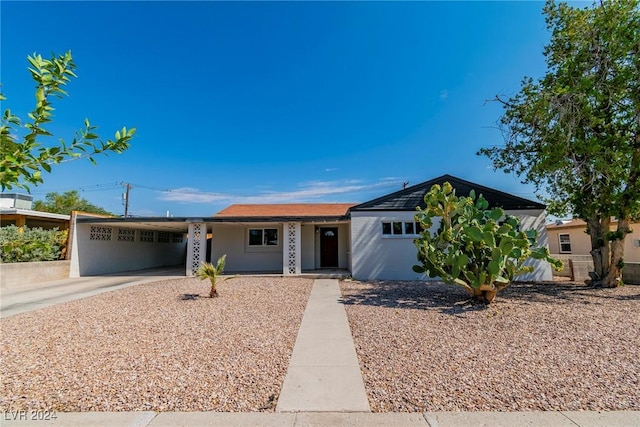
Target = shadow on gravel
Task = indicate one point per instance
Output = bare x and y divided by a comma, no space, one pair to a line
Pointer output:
453,300
411,295
565,292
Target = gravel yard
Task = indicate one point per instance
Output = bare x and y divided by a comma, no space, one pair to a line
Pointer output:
145,348
536,347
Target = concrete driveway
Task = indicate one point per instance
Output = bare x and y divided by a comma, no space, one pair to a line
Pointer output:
33,296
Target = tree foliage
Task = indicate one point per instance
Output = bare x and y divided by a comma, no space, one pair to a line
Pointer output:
24,154
575,133
66,202
213,273
475,247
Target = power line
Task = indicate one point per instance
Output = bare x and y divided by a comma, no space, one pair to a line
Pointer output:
84,188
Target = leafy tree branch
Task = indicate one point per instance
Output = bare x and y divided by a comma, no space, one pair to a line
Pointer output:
25,157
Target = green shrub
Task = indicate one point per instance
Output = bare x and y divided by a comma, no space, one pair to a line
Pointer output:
24,244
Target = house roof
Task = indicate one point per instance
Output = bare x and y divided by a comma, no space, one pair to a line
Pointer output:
288,211
411,197
569,224
578,223
33,214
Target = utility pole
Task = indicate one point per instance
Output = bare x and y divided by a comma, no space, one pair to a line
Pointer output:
125,198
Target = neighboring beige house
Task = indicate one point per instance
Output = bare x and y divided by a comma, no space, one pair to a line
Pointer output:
570,238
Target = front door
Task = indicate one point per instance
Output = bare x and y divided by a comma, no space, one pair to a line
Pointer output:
329,247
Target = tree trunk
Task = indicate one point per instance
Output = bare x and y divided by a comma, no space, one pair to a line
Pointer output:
485,293
213,293
614,276
598,228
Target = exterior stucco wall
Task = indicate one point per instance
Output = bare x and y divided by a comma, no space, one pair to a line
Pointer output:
378,257
22,273
308,249
536,220
94,257
581,242
232,240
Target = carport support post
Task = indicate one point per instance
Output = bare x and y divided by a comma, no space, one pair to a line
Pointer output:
291,249
196,247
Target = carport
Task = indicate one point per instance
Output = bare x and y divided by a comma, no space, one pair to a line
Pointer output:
104,245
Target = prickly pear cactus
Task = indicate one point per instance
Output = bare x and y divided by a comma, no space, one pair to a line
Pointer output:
475,247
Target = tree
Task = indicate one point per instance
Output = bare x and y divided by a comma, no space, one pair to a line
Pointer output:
475,247
575,133
213,273
66,202
25,157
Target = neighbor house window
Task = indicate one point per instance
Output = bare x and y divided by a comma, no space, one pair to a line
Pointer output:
400,228
263,237
565,243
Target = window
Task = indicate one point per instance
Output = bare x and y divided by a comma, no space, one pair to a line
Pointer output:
263,237
401,228
565,243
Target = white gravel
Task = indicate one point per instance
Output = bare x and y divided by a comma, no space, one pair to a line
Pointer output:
536,347
145,348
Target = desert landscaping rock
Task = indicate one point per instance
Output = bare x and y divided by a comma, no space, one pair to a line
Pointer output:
424,347
144,348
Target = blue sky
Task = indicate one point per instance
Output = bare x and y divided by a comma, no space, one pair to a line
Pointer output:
275,102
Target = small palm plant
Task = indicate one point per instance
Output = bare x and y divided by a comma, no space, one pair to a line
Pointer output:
213,273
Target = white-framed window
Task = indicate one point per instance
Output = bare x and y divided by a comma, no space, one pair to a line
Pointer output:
401,228
565,243
263,237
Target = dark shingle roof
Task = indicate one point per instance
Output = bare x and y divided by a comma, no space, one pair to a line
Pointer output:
411,197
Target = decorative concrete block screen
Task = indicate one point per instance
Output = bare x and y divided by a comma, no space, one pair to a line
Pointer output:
196,248
126,235
146,236
100,233
291,255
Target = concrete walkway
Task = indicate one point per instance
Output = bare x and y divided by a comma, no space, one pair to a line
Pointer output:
323,385
324,373
33,296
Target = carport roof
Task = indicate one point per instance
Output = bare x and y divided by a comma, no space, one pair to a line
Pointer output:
173,224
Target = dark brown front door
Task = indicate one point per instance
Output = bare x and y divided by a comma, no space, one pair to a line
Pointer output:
329,247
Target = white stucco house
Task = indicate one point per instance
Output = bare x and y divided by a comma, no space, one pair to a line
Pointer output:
371,240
